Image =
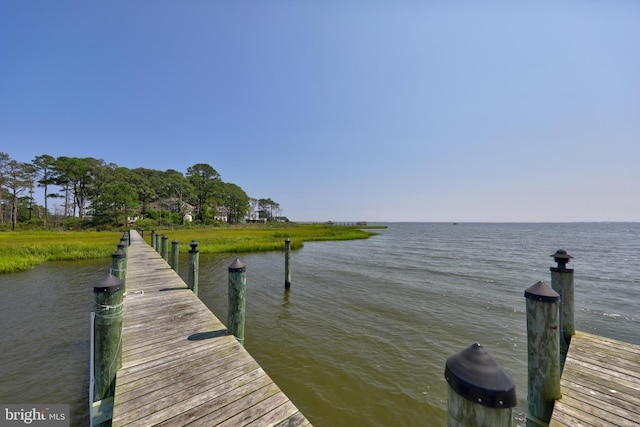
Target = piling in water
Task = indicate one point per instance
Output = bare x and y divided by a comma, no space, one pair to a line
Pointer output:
562,283
194,261
153,239
543,350
175,251
237,291
165,248
480,392
287,263
108,308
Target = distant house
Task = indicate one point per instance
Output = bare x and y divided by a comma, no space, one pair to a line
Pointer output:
222,214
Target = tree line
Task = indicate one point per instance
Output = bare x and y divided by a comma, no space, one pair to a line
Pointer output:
88,192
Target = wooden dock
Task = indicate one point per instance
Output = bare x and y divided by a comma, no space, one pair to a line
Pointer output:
178,366
600,384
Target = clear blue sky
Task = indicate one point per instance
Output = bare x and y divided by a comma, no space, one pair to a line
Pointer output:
343,110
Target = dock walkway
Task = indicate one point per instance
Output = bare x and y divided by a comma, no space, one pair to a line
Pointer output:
600,384
178,365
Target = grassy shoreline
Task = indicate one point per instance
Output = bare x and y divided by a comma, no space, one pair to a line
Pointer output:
23,250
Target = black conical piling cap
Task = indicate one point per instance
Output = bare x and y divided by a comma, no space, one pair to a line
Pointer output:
194,246
119,253
541,292
236,266
109,283
477,377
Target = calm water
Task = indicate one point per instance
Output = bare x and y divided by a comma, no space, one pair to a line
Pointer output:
362,337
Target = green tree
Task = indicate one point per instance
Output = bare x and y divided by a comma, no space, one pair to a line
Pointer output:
148,185
204,179
4,160
44,166
179,187
16,181
117,198
235,200
267,206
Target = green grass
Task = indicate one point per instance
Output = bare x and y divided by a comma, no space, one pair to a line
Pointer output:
23,250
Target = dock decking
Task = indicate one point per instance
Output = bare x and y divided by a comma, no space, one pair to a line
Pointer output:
178,365
600,384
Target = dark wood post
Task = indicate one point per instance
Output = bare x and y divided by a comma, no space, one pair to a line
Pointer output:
175,251
543,353
165,248
287,263
153,239
194,261
237,291
480,392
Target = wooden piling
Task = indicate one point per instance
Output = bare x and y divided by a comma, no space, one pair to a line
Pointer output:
194,261
480,392
153,239
157,242
119,267
562,283
237,291
287,263
175,253
543,349
108,302
165,248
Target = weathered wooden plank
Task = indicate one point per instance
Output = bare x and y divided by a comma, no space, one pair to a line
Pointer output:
245,406
276,416
179,366
258,406
192,400
600,384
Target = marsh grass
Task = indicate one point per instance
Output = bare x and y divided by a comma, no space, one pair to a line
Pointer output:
23,250
257,238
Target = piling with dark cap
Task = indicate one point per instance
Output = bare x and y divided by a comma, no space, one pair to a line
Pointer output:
175,251
562,283
119,267
157,242
480,392
237,291
165,248
543,349
125,243
287,263
108,308
194,261
153,239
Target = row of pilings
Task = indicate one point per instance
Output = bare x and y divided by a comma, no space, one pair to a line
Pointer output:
482,394
107,316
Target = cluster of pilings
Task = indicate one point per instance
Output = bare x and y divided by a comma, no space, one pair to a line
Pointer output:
481,393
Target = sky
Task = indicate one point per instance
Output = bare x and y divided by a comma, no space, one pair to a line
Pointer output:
357,110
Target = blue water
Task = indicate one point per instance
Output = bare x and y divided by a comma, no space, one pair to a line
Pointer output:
362,337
